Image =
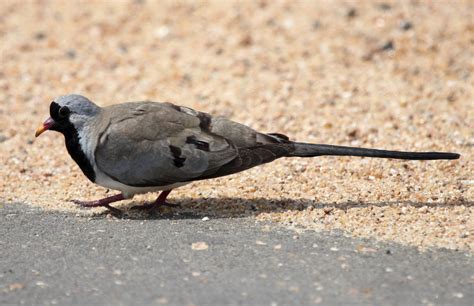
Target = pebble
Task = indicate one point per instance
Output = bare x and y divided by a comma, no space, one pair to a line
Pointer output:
15,286
351,13
406,25
423,209
199,246
71,53
40,36
41,284
387,46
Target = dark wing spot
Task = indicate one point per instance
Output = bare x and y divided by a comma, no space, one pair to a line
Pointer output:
200,145
177,159
204,121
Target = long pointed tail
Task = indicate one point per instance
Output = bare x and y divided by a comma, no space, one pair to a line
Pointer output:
310,150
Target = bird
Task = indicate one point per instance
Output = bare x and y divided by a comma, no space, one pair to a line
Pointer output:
141,147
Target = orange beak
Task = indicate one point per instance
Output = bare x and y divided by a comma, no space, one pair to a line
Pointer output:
44,127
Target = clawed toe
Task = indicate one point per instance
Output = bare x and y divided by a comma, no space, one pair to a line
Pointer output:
86,203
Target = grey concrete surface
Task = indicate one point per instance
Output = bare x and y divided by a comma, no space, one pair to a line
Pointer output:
49,258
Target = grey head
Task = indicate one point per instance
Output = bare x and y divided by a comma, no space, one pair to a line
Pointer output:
69,113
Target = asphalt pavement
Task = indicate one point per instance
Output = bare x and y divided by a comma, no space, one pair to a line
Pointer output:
49,258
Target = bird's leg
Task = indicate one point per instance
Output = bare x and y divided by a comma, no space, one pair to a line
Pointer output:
160,201
102,202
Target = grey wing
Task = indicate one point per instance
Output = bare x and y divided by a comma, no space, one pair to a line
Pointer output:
154,144
157,144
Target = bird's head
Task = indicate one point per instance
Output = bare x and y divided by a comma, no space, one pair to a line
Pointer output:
68,112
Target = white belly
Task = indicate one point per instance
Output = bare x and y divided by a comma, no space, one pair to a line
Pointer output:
129,191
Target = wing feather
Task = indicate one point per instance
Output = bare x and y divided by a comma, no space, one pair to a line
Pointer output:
141,143
157,144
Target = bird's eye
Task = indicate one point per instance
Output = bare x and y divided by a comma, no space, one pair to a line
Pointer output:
63,112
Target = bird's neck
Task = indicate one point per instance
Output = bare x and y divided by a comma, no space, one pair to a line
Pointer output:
77,153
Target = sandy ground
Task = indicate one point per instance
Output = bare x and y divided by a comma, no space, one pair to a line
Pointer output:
394,75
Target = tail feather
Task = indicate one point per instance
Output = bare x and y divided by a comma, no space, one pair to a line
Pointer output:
311,150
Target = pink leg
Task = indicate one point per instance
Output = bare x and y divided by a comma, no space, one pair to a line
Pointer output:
102,202
160,201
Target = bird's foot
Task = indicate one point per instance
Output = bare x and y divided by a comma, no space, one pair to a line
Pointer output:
95,203
160,201
105,202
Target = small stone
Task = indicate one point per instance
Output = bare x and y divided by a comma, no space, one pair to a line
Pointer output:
328,210
384,6
205,219
327,125
288,23
246,41
41,284
40,36
353,133
423,209
162,32
387,46
316,25
71,53
199,246
406,25
364,249
15,286
351,13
